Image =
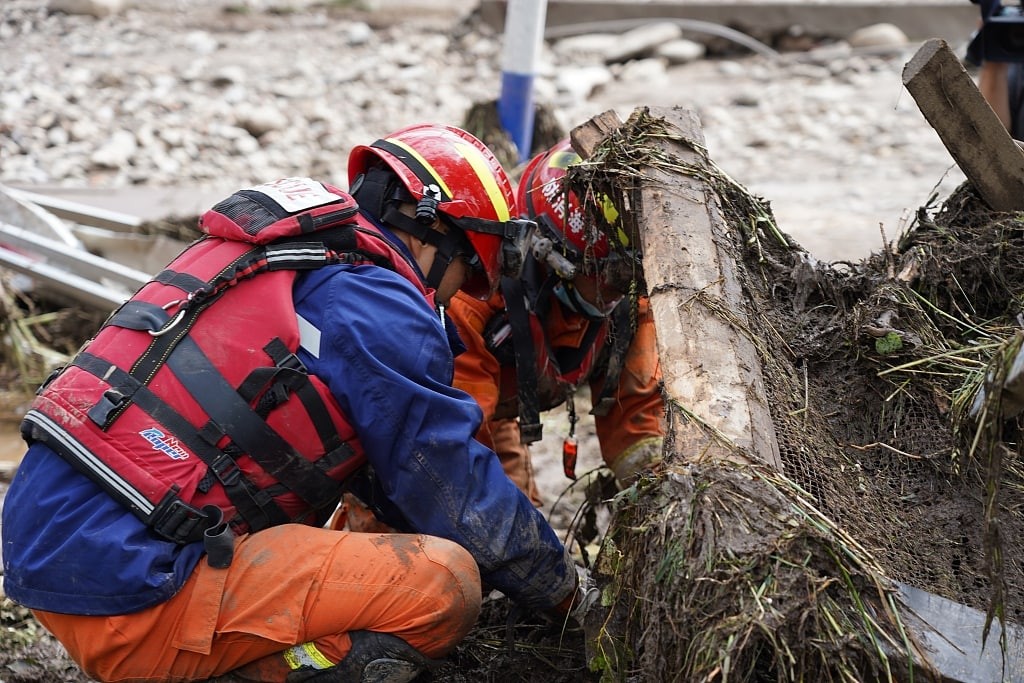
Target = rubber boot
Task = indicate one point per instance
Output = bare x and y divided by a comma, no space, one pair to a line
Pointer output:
374,658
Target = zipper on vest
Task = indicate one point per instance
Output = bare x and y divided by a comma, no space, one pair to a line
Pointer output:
333,217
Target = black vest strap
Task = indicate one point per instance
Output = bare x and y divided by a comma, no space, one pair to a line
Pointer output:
570,359
256,508
311,400
530,427
254,436
621,336
536,289
183,281
138,315
290,375
283,255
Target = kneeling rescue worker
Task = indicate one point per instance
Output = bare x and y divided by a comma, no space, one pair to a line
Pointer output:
564,322
166,523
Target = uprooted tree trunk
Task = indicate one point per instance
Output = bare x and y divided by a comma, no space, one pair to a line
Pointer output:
722,571
806,468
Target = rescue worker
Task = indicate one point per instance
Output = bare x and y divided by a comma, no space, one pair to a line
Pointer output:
166,521
564,323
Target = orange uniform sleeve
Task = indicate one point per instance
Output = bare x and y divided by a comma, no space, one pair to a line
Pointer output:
477,372
636,421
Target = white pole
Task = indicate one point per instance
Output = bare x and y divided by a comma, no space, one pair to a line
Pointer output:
524,33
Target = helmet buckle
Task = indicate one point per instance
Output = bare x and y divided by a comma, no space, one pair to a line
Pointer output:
426,207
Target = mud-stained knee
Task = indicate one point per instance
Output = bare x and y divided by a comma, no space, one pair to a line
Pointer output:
461,592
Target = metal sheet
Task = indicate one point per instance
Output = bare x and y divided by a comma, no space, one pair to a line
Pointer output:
77,212
63,282
77,261
951,633
33,217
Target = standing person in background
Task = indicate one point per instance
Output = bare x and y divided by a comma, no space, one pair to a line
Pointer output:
166,521
565,322
1002,86
997,48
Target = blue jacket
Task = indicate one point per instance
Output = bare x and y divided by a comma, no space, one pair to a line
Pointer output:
68,547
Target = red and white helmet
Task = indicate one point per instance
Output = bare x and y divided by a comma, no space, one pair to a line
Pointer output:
543,196
448,170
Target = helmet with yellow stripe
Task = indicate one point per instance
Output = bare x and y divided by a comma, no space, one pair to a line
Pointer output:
450,175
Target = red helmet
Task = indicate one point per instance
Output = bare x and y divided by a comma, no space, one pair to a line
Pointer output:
543,196
460,178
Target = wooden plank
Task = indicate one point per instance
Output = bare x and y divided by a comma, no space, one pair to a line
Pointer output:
976,139
586,137
710,365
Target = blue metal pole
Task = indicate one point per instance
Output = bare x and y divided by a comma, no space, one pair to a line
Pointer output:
524,35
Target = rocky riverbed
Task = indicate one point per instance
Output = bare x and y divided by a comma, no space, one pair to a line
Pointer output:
210,95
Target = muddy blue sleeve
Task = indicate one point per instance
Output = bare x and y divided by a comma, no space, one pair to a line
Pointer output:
385,355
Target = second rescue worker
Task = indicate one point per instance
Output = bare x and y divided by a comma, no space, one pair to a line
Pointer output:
563,323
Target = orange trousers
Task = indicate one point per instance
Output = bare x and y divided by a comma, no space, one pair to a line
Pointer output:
287,586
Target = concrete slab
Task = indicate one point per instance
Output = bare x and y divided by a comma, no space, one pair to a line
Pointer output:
951,20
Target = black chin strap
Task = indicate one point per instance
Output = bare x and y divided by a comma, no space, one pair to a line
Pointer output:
447,244
379,193
577,302
373,189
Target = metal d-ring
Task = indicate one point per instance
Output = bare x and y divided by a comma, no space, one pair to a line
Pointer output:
170,324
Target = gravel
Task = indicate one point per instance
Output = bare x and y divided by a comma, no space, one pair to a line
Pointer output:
212,95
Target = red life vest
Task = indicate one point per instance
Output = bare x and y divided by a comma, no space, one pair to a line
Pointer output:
190,405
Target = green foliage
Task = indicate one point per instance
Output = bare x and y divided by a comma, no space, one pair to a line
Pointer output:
890,343
671,564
